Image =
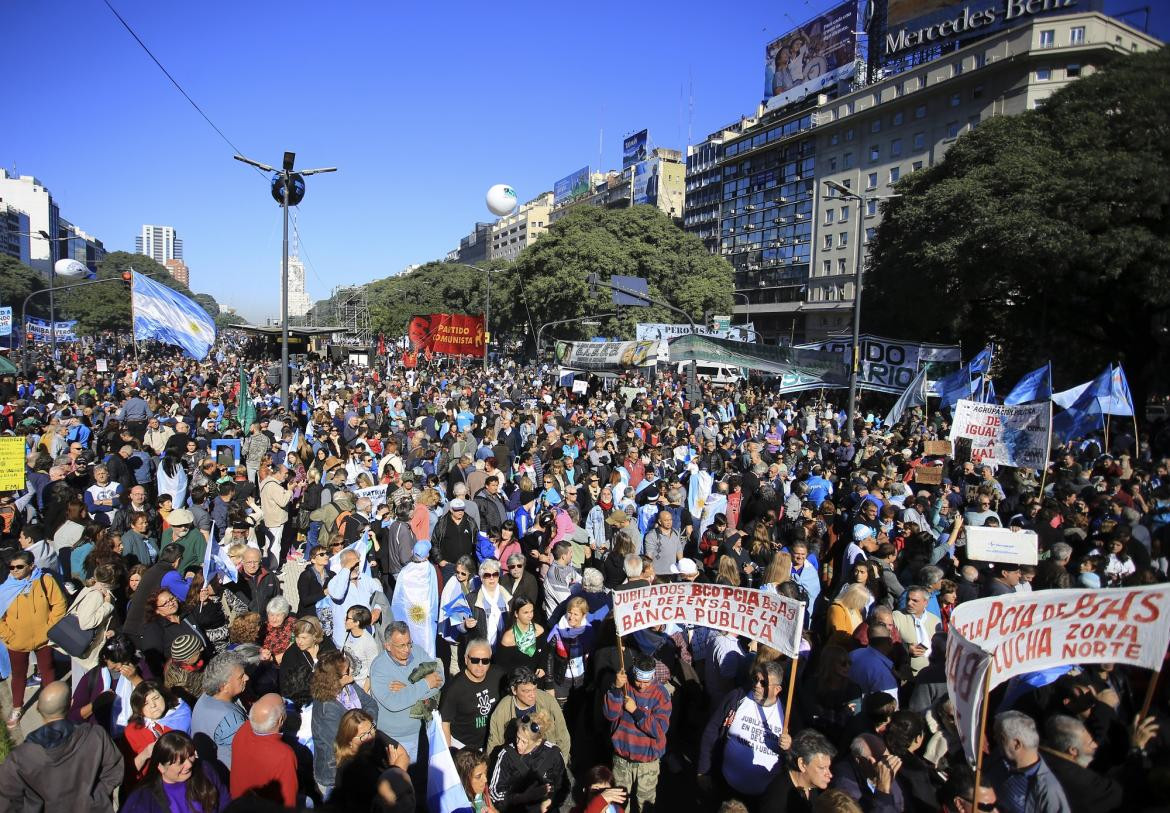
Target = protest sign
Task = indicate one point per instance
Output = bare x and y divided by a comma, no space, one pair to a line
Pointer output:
606,355
1027,632
377,495
1005,435
929,475
580,387
765,617
101,365
967,667
936,448
1002,545
886,365
11,464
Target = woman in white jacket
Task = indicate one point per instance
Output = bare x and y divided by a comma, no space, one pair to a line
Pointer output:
94,608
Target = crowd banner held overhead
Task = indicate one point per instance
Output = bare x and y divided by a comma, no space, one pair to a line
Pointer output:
1005,435
888,365
967,666
811,58
655,331
39,328
1028,632
452,334
606,355
12,464
634,149
6,321
377,495
768,618
164,314
806,368
1002,545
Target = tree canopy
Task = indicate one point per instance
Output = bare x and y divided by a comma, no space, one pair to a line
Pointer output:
1045,232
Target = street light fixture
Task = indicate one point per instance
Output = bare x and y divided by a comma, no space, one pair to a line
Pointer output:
283,182
855,368
44,235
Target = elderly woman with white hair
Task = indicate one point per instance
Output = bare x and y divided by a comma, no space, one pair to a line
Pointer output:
277,633
489,604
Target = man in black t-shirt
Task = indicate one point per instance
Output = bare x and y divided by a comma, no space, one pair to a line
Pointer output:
470,696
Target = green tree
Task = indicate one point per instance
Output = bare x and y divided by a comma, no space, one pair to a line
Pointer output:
17,281
1045,232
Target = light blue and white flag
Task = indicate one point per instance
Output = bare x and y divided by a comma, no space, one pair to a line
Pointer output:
216,560
166,315
914,395
445,792
361,547
416,602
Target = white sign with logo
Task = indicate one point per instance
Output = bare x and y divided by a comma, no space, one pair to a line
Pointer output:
1002,545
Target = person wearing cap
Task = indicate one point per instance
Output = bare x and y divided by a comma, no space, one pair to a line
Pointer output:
184,534
454,535
685,570
183,673
639,716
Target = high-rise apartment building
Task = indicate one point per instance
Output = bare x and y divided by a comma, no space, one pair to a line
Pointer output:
160,243
178,271
28,195
512,233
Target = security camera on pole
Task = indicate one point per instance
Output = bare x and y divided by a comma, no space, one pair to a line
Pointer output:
288,189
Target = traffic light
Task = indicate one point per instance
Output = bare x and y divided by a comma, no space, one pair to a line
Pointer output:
127,279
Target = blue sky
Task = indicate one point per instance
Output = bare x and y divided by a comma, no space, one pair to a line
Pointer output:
422,107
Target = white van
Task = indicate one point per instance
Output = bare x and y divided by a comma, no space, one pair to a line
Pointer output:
719,375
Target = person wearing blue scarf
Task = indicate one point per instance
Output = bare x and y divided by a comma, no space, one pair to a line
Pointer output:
30,604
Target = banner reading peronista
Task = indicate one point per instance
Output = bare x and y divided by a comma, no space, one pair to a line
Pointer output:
771,619
1027,632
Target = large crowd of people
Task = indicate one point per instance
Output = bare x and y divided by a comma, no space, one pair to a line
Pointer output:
410,569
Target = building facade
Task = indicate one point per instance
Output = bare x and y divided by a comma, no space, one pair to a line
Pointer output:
160,243
475,247
28,195
513,233
299,303
14,239
793,247
704,188
616,189
178,271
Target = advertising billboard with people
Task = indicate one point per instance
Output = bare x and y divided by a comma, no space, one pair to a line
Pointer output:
811,58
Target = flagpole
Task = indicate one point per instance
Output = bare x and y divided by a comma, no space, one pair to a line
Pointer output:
791,692
982,735
1047,451
133,328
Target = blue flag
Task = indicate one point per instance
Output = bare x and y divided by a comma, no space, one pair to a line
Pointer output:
445,792
1034,386
1120,401
216,561
166,315
964,383
1087,413
914,395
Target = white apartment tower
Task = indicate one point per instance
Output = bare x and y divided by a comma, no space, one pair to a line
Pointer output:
160,243
299,303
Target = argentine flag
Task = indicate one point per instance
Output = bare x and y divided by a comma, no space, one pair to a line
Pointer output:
215,560
166,315
416,602
445,792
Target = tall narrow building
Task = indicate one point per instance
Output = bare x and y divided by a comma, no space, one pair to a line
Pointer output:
160,243
299,303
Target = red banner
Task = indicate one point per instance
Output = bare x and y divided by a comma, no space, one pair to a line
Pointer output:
454,334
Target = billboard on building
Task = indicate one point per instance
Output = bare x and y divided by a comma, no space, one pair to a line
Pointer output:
634,148
571,187
646,182
912,24
815,56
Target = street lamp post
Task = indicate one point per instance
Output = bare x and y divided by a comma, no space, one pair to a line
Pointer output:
487,307
752,331
285,178
44,235
585,319
855,368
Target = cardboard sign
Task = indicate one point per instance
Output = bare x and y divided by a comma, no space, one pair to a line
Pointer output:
1002,545
101,366
967,667
936,448
929,475
1027,632
771,619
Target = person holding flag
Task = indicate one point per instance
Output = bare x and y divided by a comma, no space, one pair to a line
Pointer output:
351,586
416,598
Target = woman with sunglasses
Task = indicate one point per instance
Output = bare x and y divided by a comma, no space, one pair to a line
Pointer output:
489,603
164,623
313,580
31,602
529,771
178,781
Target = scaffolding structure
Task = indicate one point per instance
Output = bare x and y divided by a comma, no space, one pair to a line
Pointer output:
348,307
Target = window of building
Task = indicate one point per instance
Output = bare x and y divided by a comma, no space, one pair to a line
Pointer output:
875,153
896,148
919,141
841,265
871,181
871,208
956,99
827,267
843,238
898,118
920,112
973,121
1043,74
1076,35
829,215
834,139
869,233
977,92
917,165
875,126
953,128
849,134
844,214
847,160
1047,38
956,68
828,241
1072,71
895,174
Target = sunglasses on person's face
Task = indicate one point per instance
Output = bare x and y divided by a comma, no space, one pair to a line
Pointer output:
17,567
479,661
515,567
494,574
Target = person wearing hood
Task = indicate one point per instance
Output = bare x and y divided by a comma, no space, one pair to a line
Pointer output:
61,762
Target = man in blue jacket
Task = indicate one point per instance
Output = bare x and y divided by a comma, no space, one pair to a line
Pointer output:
404,703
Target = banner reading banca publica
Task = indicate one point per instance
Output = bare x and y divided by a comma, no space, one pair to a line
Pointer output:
1027,632
455,334
771,619
1005,435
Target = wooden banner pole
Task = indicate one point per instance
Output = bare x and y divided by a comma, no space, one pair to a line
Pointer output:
1149,695
791,692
